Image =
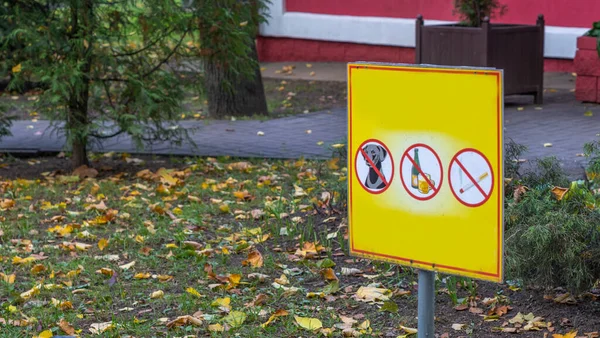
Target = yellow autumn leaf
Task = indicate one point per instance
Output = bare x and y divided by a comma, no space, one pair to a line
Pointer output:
102,243
30,293
255,259
283,280
372,294
222,303
333,163
164,278
224,208
99,328
157,294
17,69
38,268
139,238
571,334
216,328
106,271
10,279
278,313
243,23
235,318
184,320
142,275
408,330
308,323
559,192
127,266
193,292
47,333
19,261
338,145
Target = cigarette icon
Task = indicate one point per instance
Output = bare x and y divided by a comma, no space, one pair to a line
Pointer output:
471,185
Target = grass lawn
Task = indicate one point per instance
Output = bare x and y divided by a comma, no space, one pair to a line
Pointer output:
219,247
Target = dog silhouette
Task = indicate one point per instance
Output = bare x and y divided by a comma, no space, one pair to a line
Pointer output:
377,154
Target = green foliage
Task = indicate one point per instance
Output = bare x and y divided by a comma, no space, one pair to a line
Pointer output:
5,122
591,151
552,243
111,67
472,12
547,172
595,32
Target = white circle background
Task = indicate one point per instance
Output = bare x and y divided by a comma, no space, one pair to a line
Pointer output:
429,165
475,165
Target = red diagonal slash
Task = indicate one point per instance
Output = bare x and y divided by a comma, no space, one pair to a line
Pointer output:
373,166
471,178
422,173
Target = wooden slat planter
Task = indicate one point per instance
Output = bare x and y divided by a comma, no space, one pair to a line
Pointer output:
587,67
517,49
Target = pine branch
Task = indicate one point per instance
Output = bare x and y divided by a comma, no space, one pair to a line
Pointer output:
155,68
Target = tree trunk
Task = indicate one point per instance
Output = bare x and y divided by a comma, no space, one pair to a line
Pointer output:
244,96
77,116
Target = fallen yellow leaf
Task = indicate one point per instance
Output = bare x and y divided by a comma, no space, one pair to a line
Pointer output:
127,266
185,320
102,243
142,275
235,318
278,313
157,294
193,292
255,259
308,323
17,69
216,328
47,333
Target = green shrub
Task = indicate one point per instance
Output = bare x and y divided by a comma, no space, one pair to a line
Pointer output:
552,243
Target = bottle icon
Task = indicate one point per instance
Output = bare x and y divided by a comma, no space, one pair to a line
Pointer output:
414,173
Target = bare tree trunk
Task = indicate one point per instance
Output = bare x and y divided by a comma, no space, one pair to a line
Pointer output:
77,117
230,94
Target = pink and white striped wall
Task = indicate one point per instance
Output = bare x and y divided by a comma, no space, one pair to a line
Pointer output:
384,30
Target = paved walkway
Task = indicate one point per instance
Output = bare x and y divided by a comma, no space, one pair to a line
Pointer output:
561,121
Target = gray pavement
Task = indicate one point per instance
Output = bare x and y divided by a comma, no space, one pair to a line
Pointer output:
289,137
561,121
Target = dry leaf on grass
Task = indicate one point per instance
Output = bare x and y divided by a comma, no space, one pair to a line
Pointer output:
308,323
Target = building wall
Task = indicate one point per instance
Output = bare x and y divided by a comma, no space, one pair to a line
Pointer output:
383,30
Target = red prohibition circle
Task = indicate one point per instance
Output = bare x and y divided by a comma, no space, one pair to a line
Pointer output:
358,151
454,159
404,156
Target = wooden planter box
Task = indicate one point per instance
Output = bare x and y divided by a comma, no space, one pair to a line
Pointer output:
517,49
587,66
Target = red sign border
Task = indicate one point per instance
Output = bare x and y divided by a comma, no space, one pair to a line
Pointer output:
356,166
437,157
454,159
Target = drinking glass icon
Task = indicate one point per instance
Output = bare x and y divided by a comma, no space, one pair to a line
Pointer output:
424,187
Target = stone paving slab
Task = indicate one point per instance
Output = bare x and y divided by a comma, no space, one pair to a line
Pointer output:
283,138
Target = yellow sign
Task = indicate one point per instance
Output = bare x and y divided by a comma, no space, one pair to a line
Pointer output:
425,167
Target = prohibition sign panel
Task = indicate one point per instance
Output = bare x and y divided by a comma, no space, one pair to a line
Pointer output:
374,166
421,172
471,177
442,110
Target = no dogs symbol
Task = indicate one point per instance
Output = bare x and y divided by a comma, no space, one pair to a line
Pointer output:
374,166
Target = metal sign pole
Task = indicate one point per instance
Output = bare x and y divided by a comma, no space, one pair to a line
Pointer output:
426,304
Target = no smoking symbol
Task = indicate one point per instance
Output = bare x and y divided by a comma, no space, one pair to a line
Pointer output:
471,177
